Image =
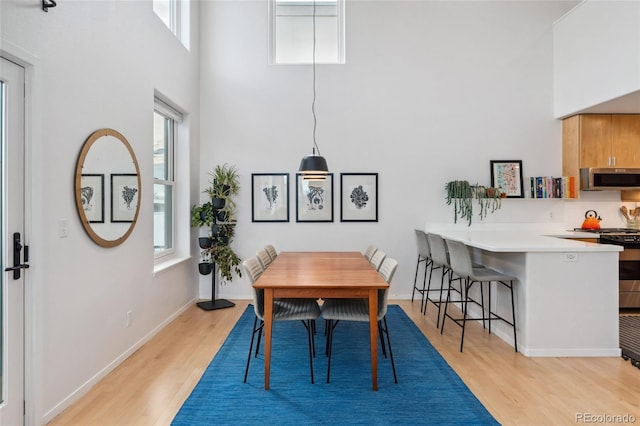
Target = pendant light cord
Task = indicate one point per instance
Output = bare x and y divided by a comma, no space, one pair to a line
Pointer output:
313,61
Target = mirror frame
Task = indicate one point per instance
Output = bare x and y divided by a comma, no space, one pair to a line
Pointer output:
94,137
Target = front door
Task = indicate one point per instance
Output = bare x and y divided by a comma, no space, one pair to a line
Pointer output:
12,160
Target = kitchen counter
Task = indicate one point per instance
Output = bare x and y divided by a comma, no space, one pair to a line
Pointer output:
567,291
518,240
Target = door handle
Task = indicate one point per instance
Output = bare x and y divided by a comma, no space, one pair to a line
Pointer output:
17,249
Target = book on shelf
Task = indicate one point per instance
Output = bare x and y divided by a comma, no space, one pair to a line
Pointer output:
552,187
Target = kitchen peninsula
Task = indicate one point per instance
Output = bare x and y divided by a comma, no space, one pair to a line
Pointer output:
567,291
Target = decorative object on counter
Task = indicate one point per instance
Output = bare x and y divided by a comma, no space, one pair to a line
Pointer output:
218,215
591,220
461,193
270,197
632,217
314,167
507,176
314,199
359,197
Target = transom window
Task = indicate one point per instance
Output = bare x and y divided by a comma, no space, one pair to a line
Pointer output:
291,31
175,15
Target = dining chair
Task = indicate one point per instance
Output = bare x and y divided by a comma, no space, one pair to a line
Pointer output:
424,256
305,310
264,258
336,310
462,266
377,259
271,250
369,252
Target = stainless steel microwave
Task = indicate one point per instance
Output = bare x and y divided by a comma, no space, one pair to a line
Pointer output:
609,179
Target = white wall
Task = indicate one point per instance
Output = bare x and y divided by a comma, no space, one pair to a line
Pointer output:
430,92
93,65
597,55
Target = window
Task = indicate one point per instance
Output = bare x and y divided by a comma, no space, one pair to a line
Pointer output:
175,15
291,31
165,122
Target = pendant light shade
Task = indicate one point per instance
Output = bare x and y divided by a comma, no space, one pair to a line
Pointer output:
314,167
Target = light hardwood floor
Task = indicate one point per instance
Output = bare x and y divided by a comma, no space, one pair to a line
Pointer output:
149,387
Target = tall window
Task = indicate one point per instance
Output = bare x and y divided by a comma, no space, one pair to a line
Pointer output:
175,15
165,120
291,31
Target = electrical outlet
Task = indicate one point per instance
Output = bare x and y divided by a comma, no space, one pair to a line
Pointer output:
129,319
571,257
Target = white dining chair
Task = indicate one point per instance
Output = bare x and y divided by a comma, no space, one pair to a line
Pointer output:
336,310
305,310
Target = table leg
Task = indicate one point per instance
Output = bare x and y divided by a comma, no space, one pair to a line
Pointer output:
373,336
268,323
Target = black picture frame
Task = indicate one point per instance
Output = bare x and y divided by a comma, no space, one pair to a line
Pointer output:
314,199
270,197
124,202
506,175
358,197
92,194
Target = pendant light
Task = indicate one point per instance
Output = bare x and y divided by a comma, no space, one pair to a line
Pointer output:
314,167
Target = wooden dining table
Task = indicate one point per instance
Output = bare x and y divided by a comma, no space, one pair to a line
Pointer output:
318,275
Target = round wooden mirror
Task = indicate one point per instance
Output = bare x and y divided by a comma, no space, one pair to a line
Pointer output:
107,187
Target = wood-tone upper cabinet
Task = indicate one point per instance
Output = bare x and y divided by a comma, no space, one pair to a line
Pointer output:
625,140
600,140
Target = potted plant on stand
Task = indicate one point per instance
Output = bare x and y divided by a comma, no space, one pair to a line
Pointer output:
217,215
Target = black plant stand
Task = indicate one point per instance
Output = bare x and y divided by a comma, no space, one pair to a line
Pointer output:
213,304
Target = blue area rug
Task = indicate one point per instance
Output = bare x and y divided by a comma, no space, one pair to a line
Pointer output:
428,390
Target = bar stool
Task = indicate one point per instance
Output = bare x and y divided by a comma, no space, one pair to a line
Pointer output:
439,260
424,255
461,265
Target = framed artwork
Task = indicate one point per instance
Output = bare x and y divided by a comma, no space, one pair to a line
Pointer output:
359,197
124,188
314,199
92,194
507,176
270,197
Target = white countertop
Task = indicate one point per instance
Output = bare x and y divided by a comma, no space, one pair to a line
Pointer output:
521,238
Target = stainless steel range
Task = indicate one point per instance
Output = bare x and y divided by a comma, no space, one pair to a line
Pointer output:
629,264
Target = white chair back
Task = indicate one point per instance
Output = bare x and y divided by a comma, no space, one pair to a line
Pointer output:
460,259
377,259
438,250
253,269
369,252
271,250
264,258
423,244
387,270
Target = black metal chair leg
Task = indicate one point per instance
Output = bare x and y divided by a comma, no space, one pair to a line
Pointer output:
393,364
329,344
253,335
310,337
382,342
464,310
513,312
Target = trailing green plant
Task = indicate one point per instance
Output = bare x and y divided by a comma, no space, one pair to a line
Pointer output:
461,194
225,258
